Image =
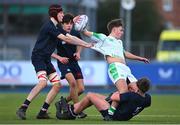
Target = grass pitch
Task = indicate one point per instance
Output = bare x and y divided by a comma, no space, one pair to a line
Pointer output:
165,109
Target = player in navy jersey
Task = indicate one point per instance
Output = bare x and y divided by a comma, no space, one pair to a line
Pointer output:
41,60
129,103
67,59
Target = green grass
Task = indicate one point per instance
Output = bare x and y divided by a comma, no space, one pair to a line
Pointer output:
165,109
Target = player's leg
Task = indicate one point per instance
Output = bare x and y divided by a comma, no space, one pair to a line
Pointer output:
72,111
122,87
80,86
66,72
91,99
42,76
40,68
76,70
80,83
76,80
132,86
118,74
73,88
56,85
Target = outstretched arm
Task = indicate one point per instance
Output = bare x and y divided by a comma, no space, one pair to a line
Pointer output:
74,40
87,33
134,57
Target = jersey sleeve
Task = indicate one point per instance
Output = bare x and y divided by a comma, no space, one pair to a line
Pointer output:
56,31
97,37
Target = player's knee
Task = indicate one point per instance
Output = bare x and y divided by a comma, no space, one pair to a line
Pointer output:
42,83
90,94
42,77
54,79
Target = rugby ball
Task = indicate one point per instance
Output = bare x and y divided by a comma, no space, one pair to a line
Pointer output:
81,24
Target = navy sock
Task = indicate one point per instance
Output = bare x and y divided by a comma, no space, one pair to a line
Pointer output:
25,104
44,108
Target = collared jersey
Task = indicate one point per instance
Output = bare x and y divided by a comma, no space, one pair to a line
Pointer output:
46,41
65,49
130,105
108,45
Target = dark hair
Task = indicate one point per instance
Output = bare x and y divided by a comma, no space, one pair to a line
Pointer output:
54,9
143,84
67,18
114,23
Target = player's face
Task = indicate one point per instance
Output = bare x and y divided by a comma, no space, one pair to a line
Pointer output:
119,31
68,26
60,16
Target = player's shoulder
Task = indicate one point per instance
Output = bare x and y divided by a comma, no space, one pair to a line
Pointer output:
129,95
48,24
148,97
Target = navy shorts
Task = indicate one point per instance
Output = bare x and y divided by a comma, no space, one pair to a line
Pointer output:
43,65
72,67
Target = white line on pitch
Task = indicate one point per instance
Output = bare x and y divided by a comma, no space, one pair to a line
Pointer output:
144,115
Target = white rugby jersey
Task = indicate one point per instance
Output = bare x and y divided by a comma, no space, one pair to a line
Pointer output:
108,45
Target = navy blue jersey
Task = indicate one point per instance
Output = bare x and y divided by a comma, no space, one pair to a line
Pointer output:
130,105
46,41
67,50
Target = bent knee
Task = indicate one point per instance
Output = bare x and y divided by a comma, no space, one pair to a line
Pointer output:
90,94
42,83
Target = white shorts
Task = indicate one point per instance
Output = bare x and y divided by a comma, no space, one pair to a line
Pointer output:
118,71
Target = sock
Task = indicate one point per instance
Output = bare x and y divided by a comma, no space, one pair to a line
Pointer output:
111,110
44,108
25,105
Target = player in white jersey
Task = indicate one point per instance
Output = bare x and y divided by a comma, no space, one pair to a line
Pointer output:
111,47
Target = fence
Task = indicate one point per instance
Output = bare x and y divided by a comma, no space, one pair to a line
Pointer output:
19,48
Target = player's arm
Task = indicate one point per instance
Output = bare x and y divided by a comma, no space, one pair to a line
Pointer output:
95,37
87,33
77,54
74,40
63,60
134,57
116,96
66,37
